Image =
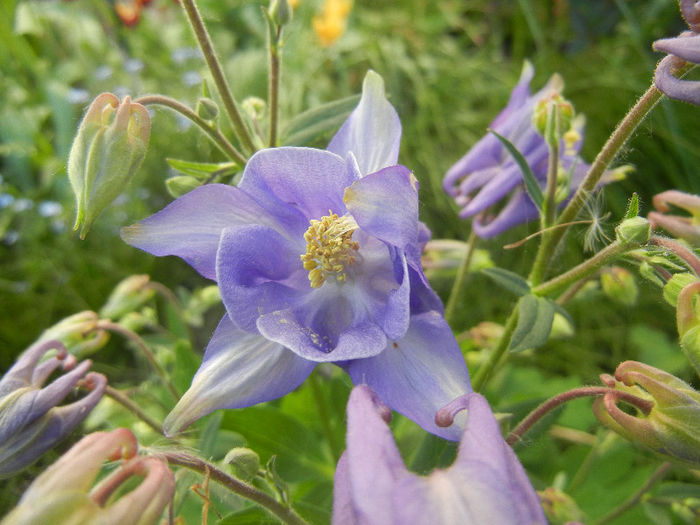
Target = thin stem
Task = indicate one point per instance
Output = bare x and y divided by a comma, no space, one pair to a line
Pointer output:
462,273
603,257
550,210
217,73
324,414
134,408
681,251
484,372
284,513
273,85
606,155
572,290
213,132
586,391
141,344
656,476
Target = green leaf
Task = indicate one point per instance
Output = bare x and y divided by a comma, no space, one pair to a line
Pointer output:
310,124
632,207
508,280
535,316
204,170
531,185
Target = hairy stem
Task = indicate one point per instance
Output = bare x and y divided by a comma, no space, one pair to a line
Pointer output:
484,372
133,408
273,85
681,251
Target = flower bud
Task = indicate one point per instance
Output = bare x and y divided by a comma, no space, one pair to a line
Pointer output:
108,149
686,228
30,421
180,184
245,462
675,285
671,427
688,322
128,296
207,109
64,492
280,12
559,507
636,230
552,117
619,284
78,333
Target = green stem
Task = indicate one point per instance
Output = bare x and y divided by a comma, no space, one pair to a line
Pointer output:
284,513
462,273
273,85
484,372
217,73
603,257
214,133
133,408
637,496
610,150
324,415
550,205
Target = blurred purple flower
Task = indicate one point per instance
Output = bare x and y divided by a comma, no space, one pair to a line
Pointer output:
488,174
317,257
30,421
486,484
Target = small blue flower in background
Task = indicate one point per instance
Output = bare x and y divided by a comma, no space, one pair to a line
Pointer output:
30,420
317,257
485,485
488,174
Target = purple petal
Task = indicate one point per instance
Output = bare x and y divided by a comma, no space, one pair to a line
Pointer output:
239,370
343,508
686,47
418,374
494,190
372,132
667,83
520,209
190,226
372,466
385,204
519,95
484,154
22,372
310,181
259,271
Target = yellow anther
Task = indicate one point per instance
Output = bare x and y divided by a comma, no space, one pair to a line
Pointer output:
329,248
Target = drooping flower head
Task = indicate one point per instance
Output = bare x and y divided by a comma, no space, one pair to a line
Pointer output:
486,484
488,174
317,257
31,422
64,492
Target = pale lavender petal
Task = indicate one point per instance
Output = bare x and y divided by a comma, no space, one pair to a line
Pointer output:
190,226
372,132
484,154
343,508
667,83
310,181
494,190
686,47
239,370
519,95
385,204
419,374
21,373
519,209
259,271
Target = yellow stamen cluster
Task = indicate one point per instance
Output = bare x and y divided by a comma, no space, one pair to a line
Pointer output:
329,248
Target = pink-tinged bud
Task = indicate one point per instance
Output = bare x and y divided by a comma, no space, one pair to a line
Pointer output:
668,414
109,147
30,420
64,492
688,322
686,228
78,333
619,284
128,296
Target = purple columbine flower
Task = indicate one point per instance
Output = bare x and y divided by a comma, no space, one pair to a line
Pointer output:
317,257
681,49
488,174
486,484
30,421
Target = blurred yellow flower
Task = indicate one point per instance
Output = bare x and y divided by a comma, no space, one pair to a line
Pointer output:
330,24
294,3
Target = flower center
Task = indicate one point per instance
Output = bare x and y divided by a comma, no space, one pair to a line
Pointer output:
329,248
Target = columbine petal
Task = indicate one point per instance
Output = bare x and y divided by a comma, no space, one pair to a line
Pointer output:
239,370
385,204
685,47
373,130
418,374
309,180
190,226
670,85
519,209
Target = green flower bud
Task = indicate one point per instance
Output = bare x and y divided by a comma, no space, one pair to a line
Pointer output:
688,322
244,461
108,149
128,296
181,184
619,285
78,333
633,231
559,507
670,427
673,287
207,109
280,12
552,116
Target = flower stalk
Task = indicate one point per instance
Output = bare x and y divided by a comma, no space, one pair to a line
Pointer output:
462,273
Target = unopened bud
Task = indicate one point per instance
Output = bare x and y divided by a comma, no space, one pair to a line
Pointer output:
688,322
128,296
244,461
78,333
636,230
673,287
552,116
619,284
109,147
181,184
207,109
280,12
683,227
670,427
559,507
